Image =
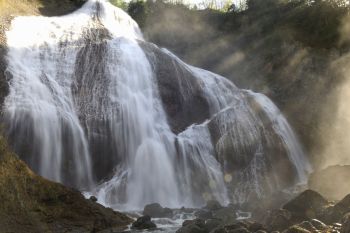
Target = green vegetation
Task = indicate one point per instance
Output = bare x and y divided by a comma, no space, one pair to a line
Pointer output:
120,3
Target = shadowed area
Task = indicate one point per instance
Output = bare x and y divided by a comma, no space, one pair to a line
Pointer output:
33,204
61,7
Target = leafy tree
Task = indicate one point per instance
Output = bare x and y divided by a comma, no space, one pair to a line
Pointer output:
138,10
120,3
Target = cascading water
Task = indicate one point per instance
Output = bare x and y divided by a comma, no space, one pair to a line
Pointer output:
93,105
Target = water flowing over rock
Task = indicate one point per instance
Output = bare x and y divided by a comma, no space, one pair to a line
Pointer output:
94,106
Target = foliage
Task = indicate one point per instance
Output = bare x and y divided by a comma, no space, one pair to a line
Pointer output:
120,3
138,10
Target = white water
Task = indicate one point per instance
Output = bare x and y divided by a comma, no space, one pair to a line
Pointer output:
281,126
84,98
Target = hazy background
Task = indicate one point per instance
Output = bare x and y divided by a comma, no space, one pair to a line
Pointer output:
295,52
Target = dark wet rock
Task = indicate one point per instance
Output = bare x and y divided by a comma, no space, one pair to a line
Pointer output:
332,178
198,222
191,229
4,88
237,225
239,230
240,227
296,229
308,205
143,222
155,210
203,214
255,226
236,229
318,224
218,230
93,199
181,92
336,212
345,224
226,214
213,205
278,220
272,202
193,226
252,226
212,224
307,226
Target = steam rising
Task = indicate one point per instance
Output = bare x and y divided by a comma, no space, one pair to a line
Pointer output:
336,136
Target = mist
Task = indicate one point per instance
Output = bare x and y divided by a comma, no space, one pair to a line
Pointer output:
336,136
294,52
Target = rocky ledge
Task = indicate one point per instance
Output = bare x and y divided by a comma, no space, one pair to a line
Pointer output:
308,212
30,203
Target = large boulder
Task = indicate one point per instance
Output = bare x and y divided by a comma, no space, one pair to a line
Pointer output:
198,222
331,182
308,205
143,222
204,214
335,213
155,210
213,205
193,226
278,220
30,203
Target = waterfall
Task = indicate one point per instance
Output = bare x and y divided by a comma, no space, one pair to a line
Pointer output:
94,106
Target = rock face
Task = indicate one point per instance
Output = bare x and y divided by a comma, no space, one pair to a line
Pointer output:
181,91
307,205
186,102
295,217
332,182
30,203
335,213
